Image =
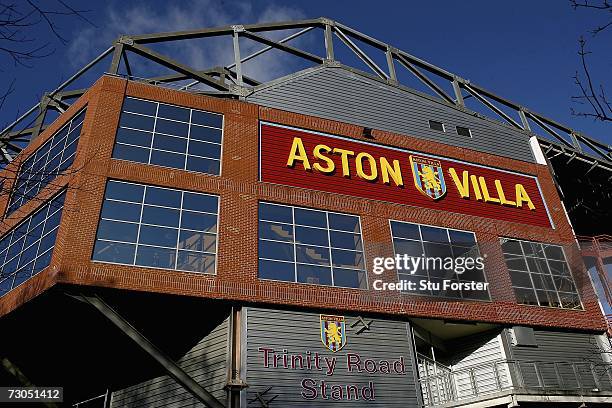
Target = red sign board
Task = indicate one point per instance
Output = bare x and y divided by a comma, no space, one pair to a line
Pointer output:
316,161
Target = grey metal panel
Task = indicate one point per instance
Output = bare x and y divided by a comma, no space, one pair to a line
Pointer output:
479,352
299,332
562,348
337,94
206,362
558,346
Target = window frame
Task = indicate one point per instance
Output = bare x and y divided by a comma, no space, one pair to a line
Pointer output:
549,273
295,244
469,131
153,133
447,229
136,244
430,121
43,172
46,207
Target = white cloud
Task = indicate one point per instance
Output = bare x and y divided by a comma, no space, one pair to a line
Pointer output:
143,18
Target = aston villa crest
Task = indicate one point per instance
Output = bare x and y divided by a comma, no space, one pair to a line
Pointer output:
428,176
333,332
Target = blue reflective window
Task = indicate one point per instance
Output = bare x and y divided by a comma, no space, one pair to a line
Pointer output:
46,163
170,136
157,227
26,249
415,240
310,246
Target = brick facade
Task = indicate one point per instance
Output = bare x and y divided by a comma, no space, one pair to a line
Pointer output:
240,191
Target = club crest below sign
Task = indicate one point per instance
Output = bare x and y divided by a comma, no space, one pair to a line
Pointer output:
333,332
428,176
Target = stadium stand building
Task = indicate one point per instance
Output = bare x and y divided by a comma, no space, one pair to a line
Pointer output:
180,236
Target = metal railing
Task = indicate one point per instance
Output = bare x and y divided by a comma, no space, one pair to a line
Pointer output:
483,380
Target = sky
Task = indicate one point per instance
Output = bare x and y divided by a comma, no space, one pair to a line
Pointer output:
525,51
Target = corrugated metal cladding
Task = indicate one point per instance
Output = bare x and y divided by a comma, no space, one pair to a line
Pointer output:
298,333
479,352
563,348
206,363
338,94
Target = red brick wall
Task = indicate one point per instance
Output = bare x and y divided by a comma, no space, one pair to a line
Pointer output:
240,191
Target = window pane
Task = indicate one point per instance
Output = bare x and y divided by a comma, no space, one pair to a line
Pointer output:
117,231
134,137
196,262
310,217
114,252
197,241
200,202
273,212
462,238
282,271
205,149
121,211
434,234
511,247
202,165
275,250
312,236
199,221
139,106
516,262
131,153
163,196
345,240
311,244
168,159
208,119
155,257
205,134
124,191
172,128
526,296
410,248
44,164
314,274
173,112
347,259
160,216
550,274
170,143
312,255
350,278
343,222
275,231
405,230
554,252
133,121
158,236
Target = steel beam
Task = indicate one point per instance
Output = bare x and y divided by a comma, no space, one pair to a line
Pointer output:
117,54
424,79
491,106
362,55
283,47
174,371
551,131
177,66
237,59
329,42
212,32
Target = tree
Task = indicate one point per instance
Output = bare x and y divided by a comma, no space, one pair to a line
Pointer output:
592,97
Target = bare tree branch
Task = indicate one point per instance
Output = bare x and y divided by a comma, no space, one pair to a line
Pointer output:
592,96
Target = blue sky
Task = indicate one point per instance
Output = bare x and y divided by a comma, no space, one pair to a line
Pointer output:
523,50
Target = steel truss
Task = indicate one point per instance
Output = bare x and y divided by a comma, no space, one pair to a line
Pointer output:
229,81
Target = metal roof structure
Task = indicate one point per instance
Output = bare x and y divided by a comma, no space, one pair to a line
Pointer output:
230,81
389,65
